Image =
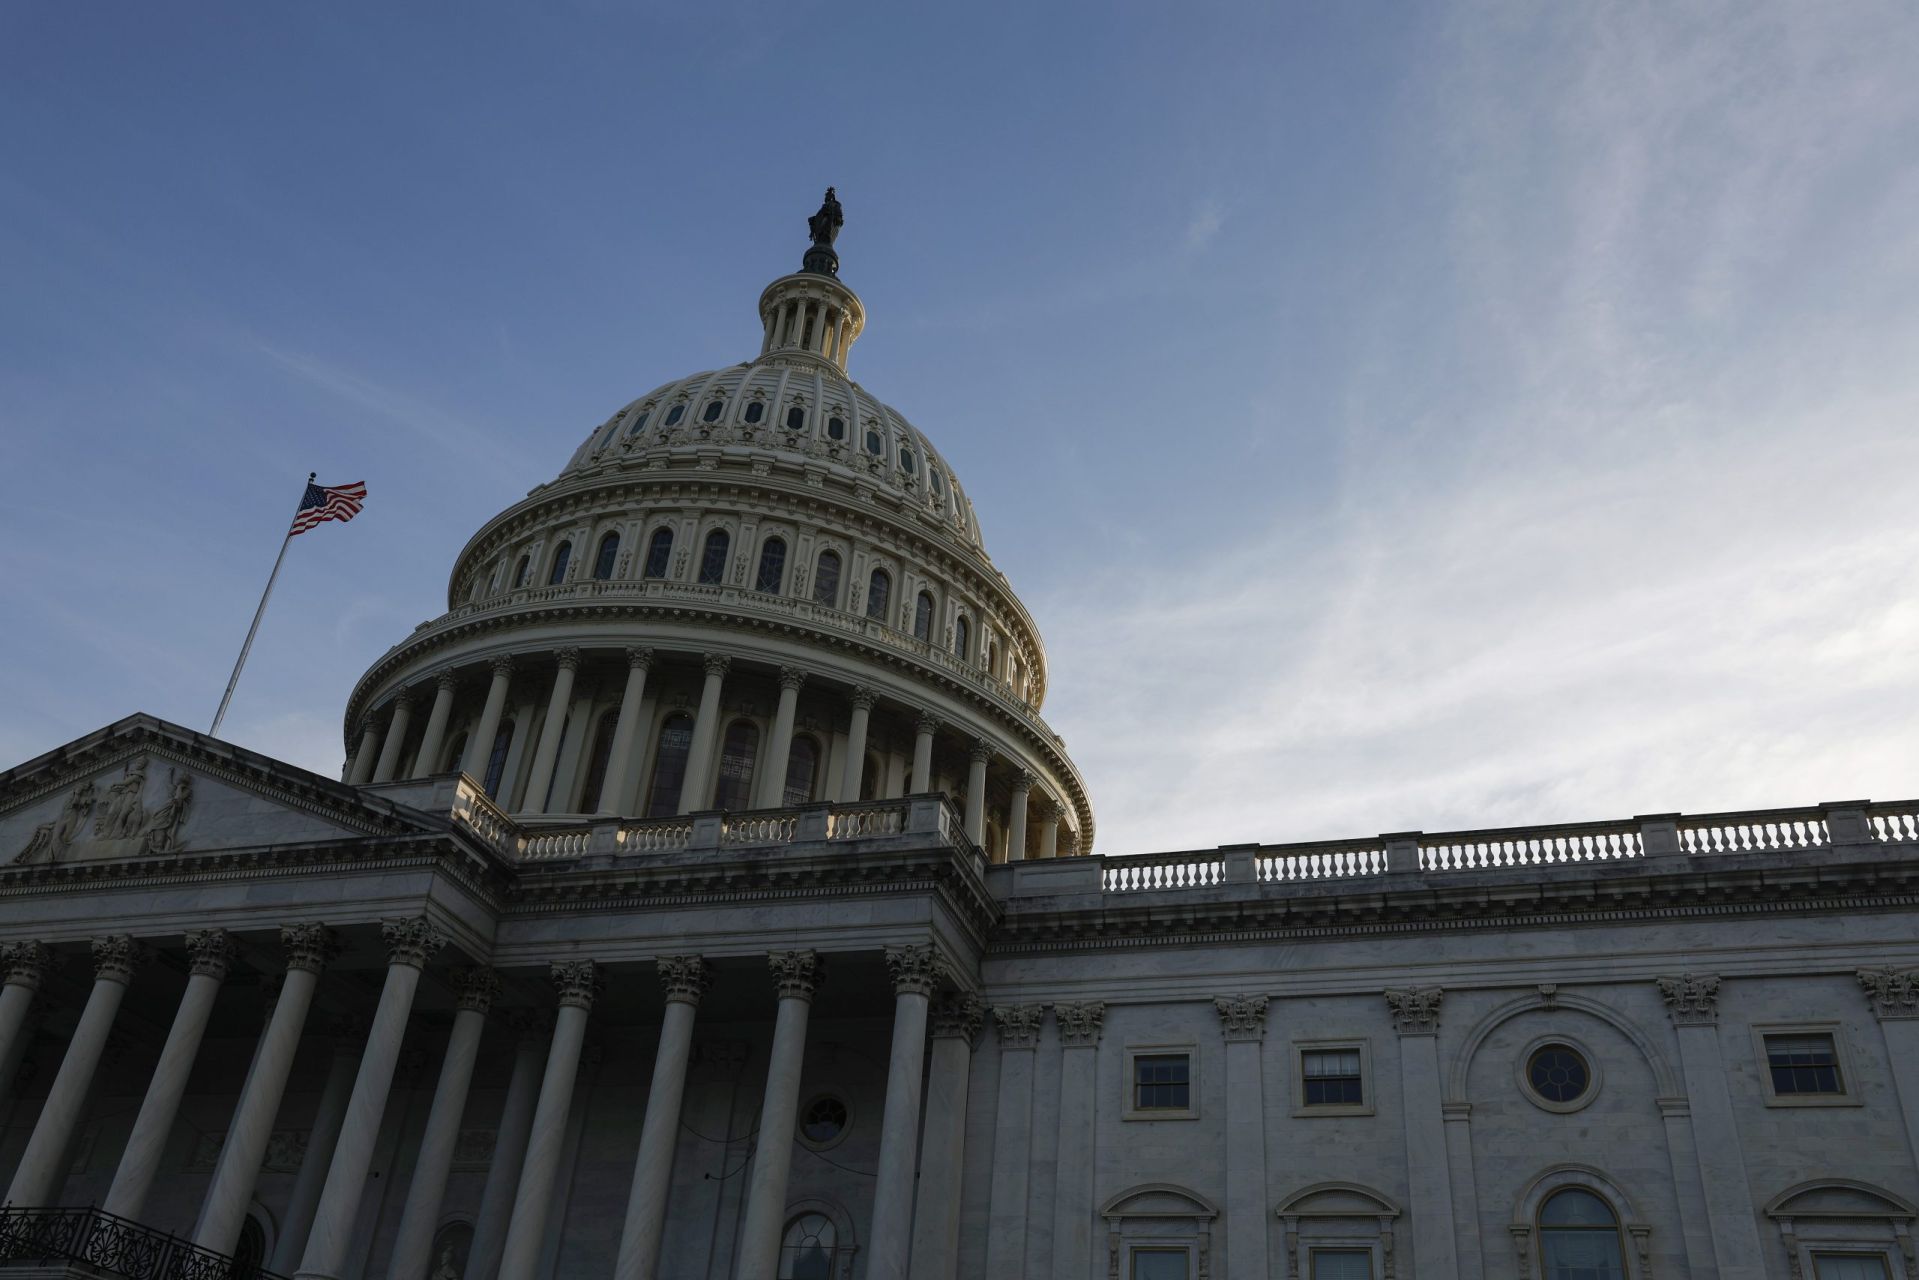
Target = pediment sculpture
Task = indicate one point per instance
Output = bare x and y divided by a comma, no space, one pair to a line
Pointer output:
121,823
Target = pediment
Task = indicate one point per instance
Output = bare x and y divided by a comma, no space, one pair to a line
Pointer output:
143,789
1337,1200
1838,1198
1159,1200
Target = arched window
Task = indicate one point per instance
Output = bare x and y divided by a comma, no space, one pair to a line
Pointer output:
871,776
669,767
713,410
520,571
961,634
809,1248
836,428
879,594
796,419
875,445
772,566
802,768
609,552
250,1251
454,754
755,410
932,474
1579,1238
596,763
713,558
992,656
923,617
659,553
826,579
561,556
674,415
496,759
738,754
639,423
906,461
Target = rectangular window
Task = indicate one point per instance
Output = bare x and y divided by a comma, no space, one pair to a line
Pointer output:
1160,1264
1342,1264
1849,1266
1162,1082
1331,1078
1803,1063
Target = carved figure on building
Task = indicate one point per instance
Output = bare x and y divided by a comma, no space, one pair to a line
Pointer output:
448,1269
825,225
162,831
122,814
51,839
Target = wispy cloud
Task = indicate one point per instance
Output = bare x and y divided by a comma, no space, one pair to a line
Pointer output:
1204,226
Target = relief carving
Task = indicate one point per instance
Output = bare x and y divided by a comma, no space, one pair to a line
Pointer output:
121,815
122,825
51,839
1893,993
1691,999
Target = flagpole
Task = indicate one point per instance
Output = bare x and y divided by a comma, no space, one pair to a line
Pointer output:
254,630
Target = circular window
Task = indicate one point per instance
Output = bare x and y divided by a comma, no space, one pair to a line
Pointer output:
823,1121
1557,1075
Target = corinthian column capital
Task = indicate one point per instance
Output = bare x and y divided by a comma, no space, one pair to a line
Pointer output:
864,699
639,659
716,664
958,1017
26,963
578,982
479,988
797,974
792,678
1892,993
684,979
308,946
1691,999
1415,1010
411,940
567,658
915,970
1242,1017
1080,1023
116,956
211,951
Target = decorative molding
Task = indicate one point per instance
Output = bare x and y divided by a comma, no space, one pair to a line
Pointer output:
1692,1000
479,987
411,940
797,974
308,946
684,978
1018,1024
915,970
958,1017
1892,993
1415,1010
578,982
1080,1023
26,963
212,952
116,956
792,678
1242,1017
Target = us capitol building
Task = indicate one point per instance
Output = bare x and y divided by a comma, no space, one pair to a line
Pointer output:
705,897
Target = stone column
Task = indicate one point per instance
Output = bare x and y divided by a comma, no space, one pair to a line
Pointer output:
212,952
509,1147
361,769
1073,1199
1894,997
1016,817
1415,1012
25,964
976,791
863,700
412,1255
435,736
1049,835
797,974
395,737
41,1171
706,728
1675,1114
308,947
540,781
578,982
686,979
480,746
1242,1020
923,730
1459,1162
328,1115
936,1217
409,943
780,749
617,791
1693,1003
914,970
1012,1139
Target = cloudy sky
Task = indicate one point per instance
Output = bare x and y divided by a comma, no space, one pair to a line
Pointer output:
1395,416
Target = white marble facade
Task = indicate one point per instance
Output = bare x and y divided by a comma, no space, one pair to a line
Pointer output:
704,896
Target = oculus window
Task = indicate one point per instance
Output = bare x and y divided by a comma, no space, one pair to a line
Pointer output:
823,1121
1557,1073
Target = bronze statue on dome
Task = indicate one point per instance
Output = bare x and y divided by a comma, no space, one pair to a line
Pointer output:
825,225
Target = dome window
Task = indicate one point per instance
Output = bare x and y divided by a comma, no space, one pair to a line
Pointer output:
875,445
962,633
713,410
560,559
796,419
772,566
755,410
923,617
906,461
609,552
713,558
826,580
521,570
939,485
496,759
802,767
639,423
669,766
659,552
836,428
674,415
879,594
738,755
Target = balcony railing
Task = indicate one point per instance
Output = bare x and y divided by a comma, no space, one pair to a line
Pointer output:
1702,836
115,1245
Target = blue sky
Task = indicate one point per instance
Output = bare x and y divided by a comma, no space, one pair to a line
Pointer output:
1395,416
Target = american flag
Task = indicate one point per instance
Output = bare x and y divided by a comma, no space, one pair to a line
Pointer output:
340,502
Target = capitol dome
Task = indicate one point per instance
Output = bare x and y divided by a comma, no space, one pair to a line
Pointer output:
752,588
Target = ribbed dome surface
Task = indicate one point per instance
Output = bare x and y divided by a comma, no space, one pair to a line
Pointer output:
788,405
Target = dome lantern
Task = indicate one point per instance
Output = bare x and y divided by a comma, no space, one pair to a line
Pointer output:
810,313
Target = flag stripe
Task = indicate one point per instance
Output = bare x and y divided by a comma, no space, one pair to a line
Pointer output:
340,502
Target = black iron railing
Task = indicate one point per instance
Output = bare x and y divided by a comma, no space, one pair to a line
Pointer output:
113,1244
